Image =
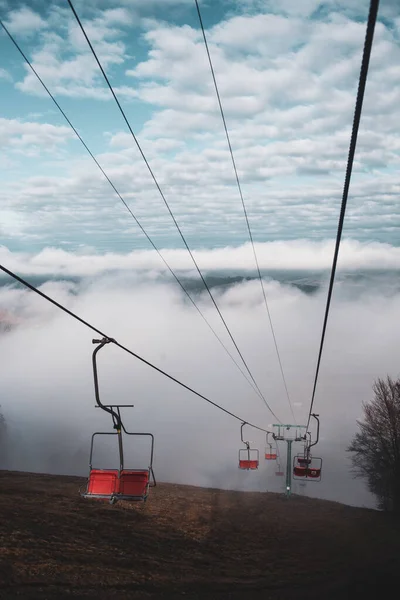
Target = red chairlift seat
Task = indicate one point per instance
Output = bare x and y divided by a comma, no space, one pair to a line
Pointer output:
314,473
279,473
113,485
103,483
134,484
299,471
270,455
250,465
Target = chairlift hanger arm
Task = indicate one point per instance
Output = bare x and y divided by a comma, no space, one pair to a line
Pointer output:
115,415
317,440
247,444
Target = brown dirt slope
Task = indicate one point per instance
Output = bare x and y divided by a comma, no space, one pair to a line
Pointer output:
189,542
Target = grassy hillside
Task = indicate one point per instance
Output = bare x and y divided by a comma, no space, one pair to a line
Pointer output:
188,542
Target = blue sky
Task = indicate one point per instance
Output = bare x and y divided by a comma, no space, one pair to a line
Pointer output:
287,79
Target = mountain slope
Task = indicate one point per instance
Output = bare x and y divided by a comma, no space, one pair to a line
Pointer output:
187,541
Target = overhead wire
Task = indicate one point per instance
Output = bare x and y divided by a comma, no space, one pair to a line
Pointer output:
127,206
167,205
134,354
244,208
369,36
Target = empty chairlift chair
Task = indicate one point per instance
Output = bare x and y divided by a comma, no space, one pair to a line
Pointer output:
122,483
305,466
248,457
270,451
300,466
308,467
279,471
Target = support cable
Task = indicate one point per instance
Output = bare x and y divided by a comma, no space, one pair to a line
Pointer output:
143,360
166,203
369,36
127,206
244,208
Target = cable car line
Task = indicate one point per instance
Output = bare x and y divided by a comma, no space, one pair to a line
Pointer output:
166,203
143,360
369,36
244,207
127,207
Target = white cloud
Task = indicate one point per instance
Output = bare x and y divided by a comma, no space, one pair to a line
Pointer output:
64,60
24,21
288,87
266,34
30,137
302,255
5,74
124,140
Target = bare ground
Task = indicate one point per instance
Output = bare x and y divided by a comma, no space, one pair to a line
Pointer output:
189,542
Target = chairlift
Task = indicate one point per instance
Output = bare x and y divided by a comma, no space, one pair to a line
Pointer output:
248,457
309,468
305,466
270,451
117,484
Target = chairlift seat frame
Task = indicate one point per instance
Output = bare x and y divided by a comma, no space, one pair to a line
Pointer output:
119,484
251,459
271,452
248,459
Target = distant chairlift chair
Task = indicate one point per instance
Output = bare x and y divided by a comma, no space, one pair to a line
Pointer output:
270,451
248,457
305,466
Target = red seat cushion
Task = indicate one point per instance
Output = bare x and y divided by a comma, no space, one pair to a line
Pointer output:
300,471
270,456
134,483
248,464
103,482
314,473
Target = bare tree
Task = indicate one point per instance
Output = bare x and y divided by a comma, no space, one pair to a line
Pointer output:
376,447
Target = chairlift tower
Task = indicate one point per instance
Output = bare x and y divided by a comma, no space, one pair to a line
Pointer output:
282,433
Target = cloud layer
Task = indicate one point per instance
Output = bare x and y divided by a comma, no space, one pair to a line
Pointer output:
299,255
47,393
